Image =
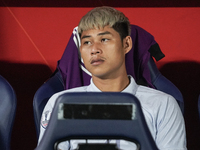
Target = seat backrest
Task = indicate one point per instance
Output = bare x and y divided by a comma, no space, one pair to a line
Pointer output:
71,72
73,118
199,107
50,87
8,104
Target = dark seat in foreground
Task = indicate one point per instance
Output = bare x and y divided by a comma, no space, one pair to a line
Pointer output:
97,116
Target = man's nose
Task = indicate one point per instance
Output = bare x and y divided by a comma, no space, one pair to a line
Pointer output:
96,49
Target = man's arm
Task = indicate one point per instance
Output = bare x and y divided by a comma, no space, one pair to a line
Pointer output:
46,114
170,126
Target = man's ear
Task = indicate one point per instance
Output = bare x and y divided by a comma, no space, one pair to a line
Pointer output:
127,44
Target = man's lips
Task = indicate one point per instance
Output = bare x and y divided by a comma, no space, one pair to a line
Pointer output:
97,61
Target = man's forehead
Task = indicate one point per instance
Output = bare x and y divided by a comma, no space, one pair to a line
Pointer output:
97,32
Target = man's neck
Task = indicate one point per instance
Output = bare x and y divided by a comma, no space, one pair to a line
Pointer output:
111,85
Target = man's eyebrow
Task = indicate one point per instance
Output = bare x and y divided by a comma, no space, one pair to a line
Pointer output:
85,36
103,33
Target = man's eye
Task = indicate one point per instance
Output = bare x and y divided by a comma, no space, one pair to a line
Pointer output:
104,40
86,42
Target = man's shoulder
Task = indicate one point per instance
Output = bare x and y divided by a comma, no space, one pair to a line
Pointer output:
143,90
77,89
53,98
152,96
154,101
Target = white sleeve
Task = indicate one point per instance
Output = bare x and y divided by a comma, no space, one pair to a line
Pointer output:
46,114
170,127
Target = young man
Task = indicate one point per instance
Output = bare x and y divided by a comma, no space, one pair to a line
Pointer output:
105,40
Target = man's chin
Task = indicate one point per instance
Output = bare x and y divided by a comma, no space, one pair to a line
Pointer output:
101,76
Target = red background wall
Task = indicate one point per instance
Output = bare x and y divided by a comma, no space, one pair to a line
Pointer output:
32,40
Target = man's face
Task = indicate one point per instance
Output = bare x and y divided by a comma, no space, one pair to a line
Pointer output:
103,52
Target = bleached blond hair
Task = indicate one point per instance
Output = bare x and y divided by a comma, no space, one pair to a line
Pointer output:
100,17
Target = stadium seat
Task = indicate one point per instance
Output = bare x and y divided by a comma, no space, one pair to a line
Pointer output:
42,95
92,116
8,103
